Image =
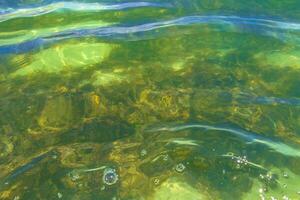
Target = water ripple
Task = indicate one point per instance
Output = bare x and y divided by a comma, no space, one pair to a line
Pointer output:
190,20
247,136
11,13
284,31
245,98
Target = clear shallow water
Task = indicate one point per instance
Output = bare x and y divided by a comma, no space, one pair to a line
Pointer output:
149,100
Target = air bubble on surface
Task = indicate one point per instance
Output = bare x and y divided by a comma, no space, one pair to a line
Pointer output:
143,152
74,176
165,157
156,181
269,177
110,176
241,161
180,168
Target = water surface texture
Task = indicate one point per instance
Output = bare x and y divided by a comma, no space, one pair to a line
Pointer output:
149,100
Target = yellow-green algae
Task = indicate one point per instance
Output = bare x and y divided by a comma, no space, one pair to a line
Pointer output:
89,102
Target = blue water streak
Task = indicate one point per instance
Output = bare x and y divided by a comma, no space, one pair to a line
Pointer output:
283,31
11,13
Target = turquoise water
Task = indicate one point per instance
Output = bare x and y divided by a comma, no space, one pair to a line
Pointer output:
149,100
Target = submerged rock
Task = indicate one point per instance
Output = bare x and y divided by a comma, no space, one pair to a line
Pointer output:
279,59
59,113
65,58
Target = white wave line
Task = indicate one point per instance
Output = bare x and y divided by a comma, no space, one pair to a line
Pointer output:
74,6
276,146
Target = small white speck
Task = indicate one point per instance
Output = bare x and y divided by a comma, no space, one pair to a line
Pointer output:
16,198
156,181
166,157
285,197
59,195
262,197
143,152
261,176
